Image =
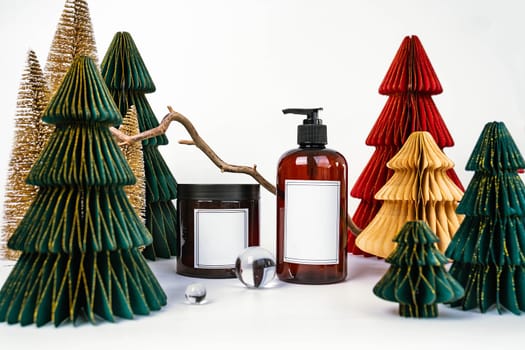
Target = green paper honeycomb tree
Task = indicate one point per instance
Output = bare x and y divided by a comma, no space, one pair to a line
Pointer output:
489,247
417,278
80,237
128,80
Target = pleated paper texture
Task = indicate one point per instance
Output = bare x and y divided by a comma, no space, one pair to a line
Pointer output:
419,189
129,81
74,102
145,115
55,288
417,278
410,83
404,114
76,155
411,70
80,237
124,68
495,151
68,219
367,186
489,247
365,212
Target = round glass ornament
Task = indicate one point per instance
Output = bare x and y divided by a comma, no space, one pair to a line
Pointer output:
195,293
255,267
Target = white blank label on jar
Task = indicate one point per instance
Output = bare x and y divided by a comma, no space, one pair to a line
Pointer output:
311,222
220,235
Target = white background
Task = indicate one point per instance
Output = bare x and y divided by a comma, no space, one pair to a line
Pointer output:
231,66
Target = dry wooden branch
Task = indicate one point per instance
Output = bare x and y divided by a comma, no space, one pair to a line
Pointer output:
197,141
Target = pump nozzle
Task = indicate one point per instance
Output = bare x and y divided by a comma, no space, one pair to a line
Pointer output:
311,114
312,131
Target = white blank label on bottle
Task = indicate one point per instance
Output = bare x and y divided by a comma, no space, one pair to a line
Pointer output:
311,222
220,235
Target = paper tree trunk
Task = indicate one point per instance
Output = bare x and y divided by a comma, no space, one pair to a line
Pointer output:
128,80
28,142
417,278
419,189
73,37
80,237
410,83
489,247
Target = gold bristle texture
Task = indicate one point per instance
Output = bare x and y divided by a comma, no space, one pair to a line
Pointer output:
133,153
30,135
73,37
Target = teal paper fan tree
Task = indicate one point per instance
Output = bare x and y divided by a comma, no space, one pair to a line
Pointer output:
80,238
417,278
489,246
128,80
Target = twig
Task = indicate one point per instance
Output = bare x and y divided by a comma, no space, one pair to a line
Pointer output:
197,141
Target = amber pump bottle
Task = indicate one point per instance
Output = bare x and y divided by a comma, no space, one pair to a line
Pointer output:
311,207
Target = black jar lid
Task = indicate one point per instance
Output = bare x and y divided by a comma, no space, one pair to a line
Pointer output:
221,192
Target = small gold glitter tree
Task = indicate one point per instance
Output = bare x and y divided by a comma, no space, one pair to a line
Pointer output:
73,37
133,153
33,96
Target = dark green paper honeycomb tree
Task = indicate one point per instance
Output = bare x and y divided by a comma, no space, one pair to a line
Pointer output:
489,247
417,278
80,237
128,80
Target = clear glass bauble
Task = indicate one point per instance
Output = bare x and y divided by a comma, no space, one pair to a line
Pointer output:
255,267
195,293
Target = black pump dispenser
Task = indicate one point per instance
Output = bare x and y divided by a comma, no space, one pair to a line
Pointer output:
312,131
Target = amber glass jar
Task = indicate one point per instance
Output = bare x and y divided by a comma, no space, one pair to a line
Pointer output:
216,222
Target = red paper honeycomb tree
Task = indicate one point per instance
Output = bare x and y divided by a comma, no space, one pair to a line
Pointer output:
410,83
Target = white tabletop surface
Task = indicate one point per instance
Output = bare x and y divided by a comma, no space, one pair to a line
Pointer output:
283,314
